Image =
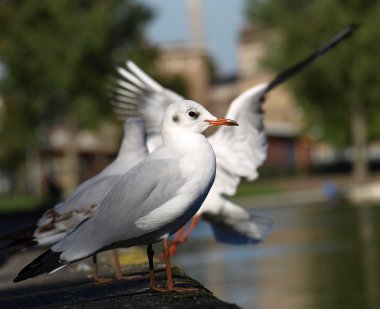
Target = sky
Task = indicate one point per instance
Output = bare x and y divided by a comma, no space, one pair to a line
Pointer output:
222,20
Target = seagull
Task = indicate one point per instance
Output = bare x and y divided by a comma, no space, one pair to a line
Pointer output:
239,151
57,222
151,201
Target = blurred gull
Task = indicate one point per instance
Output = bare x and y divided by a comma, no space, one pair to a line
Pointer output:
151,201
239,151
55,223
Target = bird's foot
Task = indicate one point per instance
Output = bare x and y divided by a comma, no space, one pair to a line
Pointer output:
129,277
99,280
173,289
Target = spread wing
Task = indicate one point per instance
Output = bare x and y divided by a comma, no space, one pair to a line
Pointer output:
137,94
240,150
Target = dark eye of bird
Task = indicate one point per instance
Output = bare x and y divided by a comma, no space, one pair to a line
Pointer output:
193,114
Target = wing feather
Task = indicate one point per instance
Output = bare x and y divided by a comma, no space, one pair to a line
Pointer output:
138,94
241,150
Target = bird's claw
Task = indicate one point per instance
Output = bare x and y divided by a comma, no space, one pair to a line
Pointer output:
173,289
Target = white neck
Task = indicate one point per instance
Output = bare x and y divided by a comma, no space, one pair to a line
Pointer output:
184,140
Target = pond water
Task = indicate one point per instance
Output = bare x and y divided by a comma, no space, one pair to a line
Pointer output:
316,257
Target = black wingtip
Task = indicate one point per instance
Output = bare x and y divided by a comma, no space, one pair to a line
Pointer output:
300,66
45,263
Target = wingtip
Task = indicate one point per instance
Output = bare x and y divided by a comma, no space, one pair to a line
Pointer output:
122,71
45,263
18,279
350,29
130,64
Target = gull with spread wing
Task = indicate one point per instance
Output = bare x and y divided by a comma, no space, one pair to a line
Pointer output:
149,202
239,151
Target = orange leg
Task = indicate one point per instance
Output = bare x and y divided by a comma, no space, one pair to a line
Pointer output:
95,274
192,225
169,278
182,236
118,274
178,235
173,247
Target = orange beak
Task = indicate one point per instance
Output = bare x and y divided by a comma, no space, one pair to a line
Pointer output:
222,122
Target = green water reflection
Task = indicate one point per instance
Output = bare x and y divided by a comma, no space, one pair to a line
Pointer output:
317,257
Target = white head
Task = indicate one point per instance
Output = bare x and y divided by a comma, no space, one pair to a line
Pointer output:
190,116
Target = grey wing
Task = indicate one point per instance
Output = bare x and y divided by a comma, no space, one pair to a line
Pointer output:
82,203
139,192
138,95
55,224
66,205
91,195
240,150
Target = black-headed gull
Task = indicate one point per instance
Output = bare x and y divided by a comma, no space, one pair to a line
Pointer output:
239,151
57,222
151,201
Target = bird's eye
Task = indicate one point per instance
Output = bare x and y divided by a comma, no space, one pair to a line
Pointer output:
192,114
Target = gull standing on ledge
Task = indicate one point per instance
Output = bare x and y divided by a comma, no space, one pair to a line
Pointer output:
151,201
57,222
239,151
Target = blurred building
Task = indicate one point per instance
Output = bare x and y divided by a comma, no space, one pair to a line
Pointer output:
190,62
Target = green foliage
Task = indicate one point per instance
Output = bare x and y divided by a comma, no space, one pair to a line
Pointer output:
18,203
343,80
58,56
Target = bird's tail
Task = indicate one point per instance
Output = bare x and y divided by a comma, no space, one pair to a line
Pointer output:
235,225
18,239
45,263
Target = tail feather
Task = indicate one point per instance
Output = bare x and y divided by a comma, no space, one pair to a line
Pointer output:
235,225
249,231
45,263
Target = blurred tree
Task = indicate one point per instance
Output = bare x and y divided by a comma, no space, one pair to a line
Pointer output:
340,93
58,56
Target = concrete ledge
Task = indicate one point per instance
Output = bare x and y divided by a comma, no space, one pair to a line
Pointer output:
71,288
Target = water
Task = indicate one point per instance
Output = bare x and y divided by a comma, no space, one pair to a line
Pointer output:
316,257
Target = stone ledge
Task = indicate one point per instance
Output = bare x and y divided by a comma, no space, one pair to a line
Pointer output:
71,288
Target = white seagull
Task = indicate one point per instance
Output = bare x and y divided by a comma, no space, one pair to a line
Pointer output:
239,151
57,222
151,201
